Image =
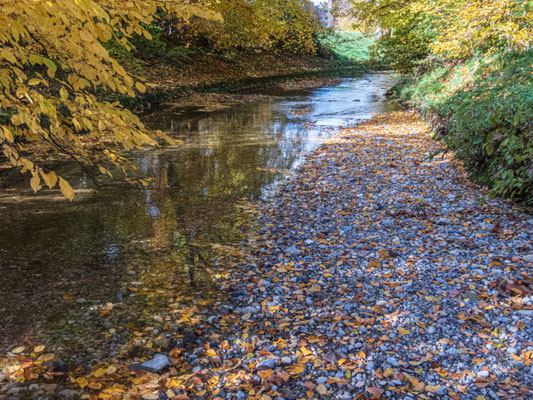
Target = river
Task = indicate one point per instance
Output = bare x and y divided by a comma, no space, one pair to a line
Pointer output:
65,266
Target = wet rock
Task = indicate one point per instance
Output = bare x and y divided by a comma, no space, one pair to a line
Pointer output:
49,387
162,342
249,310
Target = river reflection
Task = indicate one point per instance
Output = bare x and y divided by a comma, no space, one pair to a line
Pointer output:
58,259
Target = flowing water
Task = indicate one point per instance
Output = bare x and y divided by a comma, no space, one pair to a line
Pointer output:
62,262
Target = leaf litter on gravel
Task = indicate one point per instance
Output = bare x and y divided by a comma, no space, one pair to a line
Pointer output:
375,273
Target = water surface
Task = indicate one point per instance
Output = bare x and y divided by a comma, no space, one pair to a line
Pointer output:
62,262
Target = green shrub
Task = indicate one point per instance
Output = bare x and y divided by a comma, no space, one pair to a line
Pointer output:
485,109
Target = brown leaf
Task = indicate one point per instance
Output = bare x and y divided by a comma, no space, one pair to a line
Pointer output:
376,392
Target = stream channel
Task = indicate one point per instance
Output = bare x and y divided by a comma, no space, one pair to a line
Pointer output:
65,266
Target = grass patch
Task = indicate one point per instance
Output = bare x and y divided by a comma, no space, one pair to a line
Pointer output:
350,47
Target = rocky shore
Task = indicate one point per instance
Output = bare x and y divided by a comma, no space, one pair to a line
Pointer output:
375,273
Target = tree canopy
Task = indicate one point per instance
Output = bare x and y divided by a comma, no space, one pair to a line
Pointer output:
56,72
452,29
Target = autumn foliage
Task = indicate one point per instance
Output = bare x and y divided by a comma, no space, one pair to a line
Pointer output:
57,73
470,65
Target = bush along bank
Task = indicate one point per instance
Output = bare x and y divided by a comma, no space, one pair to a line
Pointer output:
482,109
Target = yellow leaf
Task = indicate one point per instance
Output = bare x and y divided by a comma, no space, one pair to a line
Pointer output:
35,183
34,81
18,350
95,385
66,189
265,373
82,381
429,298
140,87
47,357
38,349
476,361
211,353
99,372
49,179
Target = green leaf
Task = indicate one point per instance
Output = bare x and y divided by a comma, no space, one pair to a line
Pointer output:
50,64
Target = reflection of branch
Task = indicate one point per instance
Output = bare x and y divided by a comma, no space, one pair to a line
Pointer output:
85,169
54,142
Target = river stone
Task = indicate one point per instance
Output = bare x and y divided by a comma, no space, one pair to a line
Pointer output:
157,364
388,223
292,251
528,258
266,364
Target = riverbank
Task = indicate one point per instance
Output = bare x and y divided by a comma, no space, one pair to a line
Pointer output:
372,273
242,74
481,110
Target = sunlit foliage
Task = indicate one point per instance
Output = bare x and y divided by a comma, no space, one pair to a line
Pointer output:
414,29
52,63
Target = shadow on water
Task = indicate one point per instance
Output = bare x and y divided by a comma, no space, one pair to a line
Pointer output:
62,263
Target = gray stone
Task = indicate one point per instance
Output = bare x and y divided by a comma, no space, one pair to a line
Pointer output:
266,364
322,380
68,394
286,360
528,258
249,310
292,251
442,391
388,223
392,361
157,364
